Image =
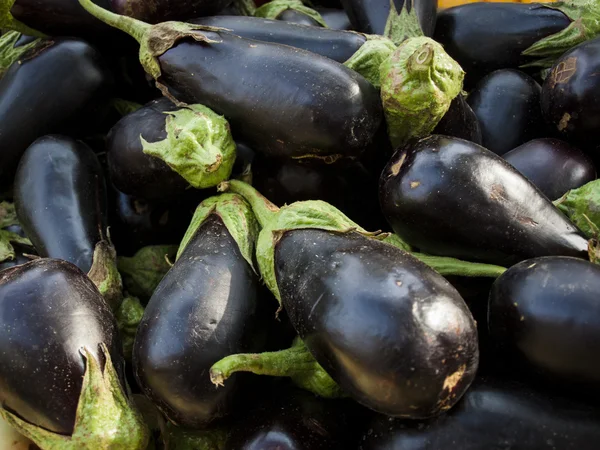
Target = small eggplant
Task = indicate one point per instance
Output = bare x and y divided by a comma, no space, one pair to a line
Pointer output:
554,166
460,121
205,308
165,10
58,326
293,11
544,315
507,105
451,197
315,107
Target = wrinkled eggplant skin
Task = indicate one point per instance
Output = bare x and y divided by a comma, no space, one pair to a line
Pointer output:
494,414
130,169
460,121
450,197
361,307
507,105
60,199
157,11
49,310
571,96
333,44
340,118
297,17
336,19
554,166
212,291
65,82
502,32
549,303
370,16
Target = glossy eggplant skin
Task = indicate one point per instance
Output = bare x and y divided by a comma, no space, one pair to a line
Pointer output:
286,102
157,11
132,171
450,197
333,44
204,309
370,16
544,313
297,17
460,121
336,19
507,105
365,310
571,96
502,32
66,84
60,199
49,310
494,414
554,166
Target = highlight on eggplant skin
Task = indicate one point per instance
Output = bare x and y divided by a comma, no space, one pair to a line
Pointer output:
450,197
460,121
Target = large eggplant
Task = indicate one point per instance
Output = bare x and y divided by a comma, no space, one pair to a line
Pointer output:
451,197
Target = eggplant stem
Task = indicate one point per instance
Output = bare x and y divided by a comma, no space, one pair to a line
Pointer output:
452,266
263,209
135,28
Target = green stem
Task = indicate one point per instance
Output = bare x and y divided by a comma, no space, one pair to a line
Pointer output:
264,211
8,21
452,266
135,28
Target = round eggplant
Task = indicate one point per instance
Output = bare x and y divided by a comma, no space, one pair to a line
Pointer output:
460,121
507,105
544,313
165,10
60,199
554,166
451,197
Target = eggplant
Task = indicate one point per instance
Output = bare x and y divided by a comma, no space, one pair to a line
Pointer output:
571,96
507,105
59,86
451,197
320,125
297,17
293,11
543,315
205,308
54,320
554,166
336,19
19,259
165,10
494,414
460,121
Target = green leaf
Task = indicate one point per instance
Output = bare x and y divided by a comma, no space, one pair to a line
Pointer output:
368,58
273,9
582,206
129,316
7,239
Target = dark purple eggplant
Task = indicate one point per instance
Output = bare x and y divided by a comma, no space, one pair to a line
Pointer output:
544,315
204,309
507,105
451,197
297,17
571,96
554,166
460,121
157,11
59,328
59,86
336,19
315,107
292,11
494,414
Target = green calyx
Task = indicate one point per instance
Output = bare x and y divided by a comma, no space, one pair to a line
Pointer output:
124,107
8,217
585,25
237,216
143,272
7,21
106,418
129,316
368,58
199,146
273,9
418,83
295,362
582,206
105,275
402,25
177,438
9,53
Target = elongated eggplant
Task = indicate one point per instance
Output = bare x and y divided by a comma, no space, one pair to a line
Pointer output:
554,166
315,107
460,121
494,414
336,19
451,197
59,86
54,320
507,105
164,10
205,308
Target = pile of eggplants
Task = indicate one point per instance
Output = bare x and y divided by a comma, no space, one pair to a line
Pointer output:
335,224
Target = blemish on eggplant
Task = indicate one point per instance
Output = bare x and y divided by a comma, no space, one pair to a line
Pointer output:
564,122
564,71
414,184
395,169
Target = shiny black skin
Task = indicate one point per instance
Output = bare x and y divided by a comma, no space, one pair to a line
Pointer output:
60,199
286,102
297,17
336,19
494,414
333,44
49,310
64,82
204,309
502,32
157,11
544,313
132,171
365,310
554,166
507,105
571,95
450,197
460,121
